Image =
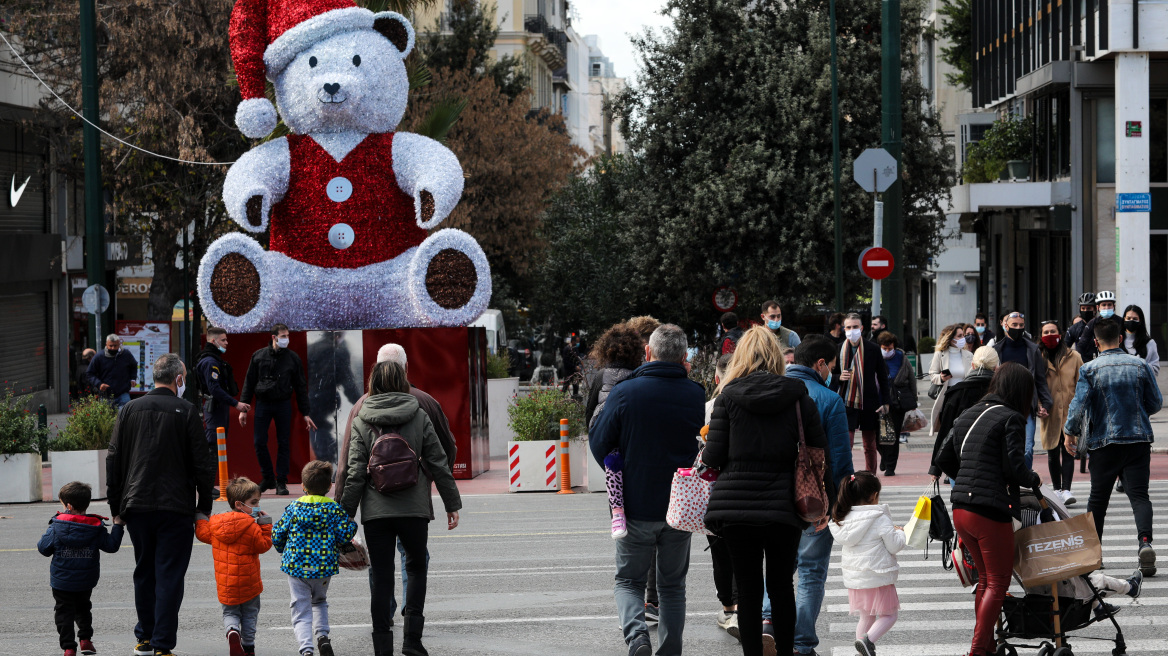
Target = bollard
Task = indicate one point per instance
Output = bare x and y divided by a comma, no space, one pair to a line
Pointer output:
565,467
42,417
221,438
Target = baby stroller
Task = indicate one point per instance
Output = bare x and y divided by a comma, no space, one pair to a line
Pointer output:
1049,612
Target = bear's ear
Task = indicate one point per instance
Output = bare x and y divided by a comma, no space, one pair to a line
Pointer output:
397,29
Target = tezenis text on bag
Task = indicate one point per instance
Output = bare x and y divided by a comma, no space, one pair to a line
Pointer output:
1073,542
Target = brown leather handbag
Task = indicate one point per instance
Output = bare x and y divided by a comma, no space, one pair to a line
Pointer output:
810,494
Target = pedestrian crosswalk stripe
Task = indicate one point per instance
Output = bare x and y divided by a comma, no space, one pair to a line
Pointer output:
1080,647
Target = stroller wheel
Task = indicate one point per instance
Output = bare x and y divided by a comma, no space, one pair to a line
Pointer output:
1045,649
1006,650
1063,651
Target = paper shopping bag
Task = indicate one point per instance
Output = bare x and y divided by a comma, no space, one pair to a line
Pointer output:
916,532
1054,551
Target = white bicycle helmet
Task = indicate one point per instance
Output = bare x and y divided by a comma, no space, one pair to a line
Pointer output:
1105,296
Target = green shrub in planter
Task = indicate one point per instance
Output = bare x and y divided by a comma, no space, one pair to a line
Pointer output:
19,432
91,424
537,416
926,345
498,365
1009,138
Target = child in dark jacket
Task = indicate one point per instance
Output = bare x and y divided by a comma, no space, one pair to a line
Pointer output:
237,539
75,540
309,534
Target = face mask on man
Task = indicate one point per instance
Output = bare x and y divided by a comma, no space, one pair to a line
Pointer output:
959,343
282,342
1106,314
888,354
256,512
112,352
826,377
853,335
1087,315
980,329
1131,326
1015,333
182,387
1051,341
222,349
774,325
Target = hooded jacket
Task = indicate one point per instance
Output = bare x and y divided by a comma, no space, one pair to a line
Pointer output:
308,535
609,377
236,544
400,413
834,419
75,543
754,441
654,418
983,454
870,544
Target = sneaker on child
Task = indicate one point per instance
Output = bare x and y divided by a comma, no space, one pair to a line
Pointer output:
86,647
728,621
619,528
1134,583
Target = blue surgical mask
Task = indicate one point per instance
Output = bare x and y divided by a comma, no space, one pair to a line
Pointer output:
1107,314
222,349
979,329
828,381
775,325
255,511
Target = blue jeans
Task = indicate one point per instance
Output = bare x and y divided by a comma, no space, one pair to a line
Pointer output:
121,400
243,618
405,577
811,562
1029,457
633,553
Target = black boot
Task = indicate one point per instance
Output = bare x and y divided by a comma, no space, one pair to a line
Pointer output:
267,484
383,643
282,487
412,643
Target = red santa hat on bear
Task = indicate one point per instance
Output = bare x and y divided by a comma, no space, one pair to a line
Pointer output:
266,35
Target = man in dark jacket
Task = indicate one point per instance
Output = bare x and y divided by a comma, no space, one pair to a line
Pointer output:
1086,313
729,323
1085,344
653,417
83,388
861,377
113,371
158,464
217,385
814,359
329,374
1016,347
274,376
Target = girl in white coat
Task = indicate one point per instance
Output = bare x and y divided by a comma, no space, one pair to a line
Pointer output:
870,543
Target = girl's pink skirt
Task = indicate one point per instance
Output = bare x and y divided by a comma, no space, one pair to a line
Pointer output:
874,601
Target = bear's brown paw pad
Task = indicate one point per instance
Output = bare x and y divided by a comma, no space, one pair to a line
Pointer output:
451,279
235,285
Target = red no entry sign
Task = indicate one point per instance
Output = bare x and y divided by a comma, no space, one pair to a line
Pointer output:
876,263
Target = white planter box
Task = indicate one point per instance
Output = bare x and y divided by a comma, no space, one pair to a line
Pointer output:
82,466
578,457
500,396
533,466
20,478
926,362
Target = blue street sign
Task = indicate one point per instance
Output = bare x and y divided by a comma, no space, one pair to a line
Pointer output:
1133,202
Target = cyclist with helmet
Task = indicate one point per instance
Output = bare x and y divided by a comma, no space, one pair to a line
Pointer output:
1086,313
1105,301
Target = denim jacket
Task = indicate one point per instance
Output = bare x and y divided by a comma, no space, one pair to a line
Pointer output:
1114,397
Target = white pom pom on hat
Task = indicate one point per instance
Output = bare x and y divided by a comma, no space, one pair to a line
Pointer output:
255,118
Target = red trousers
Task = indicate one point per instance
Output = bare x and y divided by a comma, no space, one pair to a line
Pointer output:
991,545
870,448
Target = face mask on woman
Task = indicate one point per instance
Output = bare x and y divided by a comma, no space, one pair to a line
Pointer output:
959,343
1051,341
1131,326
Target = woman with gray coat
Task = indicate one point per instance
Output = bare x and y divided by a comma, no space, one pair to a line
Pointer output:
403,515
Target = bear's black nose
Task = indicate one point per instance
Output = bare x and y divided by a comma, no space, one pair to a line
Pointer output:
331,88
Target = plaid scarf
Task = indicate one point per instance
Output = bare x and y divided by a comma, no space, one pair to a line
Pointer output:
852,359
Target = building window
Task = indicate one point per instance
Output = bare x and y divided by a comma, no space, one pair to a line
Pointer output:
1105,140
1158,146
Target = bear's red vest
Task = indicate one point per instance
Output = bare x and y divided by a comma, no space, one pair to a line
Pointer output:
360,192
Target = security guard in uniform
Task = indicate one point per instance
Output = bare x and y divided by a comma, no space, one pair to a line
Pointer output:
217,385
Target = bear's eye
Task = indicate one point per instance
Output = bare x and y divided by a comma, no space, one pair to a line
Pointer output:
356,60
312,62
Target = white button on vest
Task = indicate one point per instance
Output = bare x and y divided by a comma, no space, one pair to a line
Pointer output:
341,236
339,189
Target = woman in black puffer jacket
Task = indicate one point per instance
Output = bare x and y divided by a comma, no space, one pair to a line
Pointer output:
753,439
983,454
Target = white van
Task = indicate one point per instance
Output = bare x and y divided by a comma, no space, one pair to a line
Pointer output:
492,320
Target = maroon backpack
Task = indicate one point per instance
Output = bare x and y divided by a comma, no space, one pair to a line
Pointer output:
393,464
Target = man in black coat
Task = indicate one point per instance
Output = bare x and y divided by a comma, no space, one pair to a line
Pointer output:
653,417
217,386
274,376
865,396
112,371
1017,347
159,475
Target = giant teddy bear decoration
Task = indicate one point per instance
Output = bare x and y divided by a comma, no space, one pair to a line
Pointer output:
346,201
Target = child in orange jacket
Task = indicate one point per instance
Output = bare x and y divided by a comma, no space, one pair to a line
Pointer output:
237,538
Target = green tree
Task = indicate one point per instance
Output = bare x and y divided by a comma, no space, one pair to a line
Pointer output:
957,29
462,40
731,122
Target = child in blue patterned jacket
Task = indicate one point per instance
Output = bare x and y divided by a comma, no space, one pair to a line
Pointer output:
308,535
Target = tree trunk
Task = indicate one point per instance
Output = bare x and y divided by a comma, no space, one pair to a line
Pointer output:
167,287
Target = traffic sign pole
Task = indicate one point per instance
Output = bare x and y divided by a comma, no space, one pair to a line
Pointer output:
877,237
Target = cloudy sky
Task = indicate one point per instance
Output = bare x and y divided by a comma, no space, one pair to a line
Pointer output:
614,21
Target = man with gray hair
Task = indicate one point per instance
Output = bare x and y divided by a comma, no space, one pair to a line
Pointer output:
112,371
159,474
653,419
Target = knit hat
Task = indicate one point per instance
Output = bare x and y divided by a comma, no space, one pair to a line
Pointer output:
266,35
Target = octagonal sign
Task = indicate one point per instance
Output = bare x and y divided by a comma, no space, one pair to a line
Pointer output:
874,170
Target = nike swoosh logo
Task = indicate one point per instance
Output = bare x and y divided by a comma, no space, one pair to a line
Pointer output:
14,194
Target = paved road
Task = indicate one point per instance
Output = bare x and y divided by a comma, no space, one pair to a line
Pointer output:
528,574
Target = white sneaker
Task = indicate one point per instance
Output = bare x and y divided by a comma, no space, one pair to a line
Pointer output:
729,622
1068,497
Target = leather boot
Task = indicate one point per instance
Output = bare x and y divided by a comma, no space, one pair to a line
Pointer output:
412,643
383,643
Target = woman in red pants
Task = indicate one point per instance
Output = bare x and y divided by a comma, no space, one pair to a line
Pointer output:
983,454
